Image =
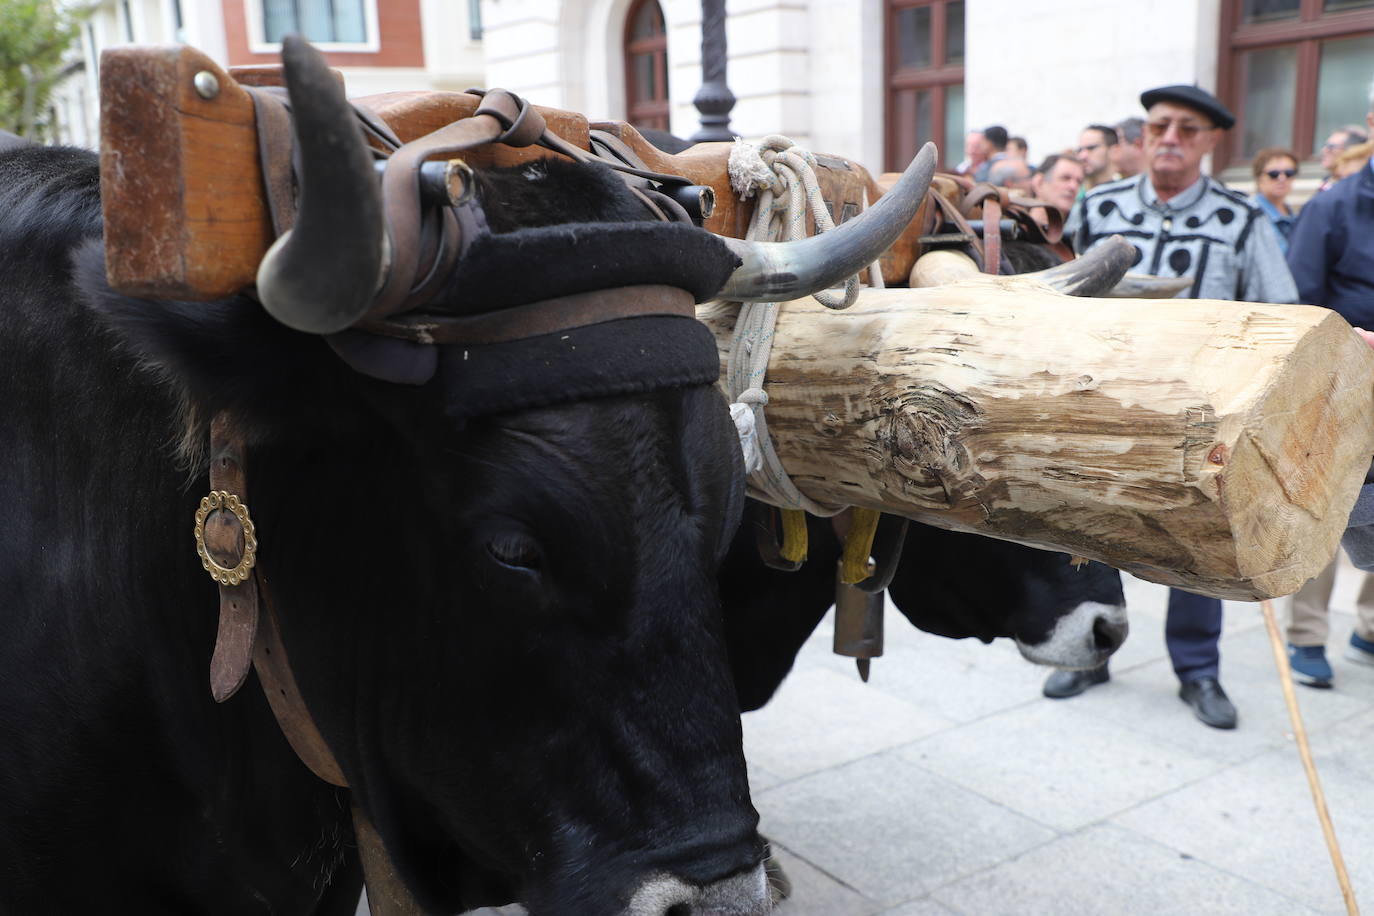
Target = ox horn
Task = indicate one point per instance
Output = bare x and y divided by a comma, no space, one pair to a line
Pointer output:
1146,286
1090,274
320,276
777,271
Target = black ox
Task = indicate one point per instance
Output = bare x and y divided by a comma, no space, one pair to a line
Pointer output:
502,614
505,620
947,583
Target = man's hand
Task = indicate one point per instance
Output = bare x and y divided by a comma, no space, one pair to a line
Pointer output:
1367,336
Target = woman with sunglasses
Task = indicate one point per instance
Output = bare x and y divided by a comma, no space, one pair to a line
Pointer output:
1274,170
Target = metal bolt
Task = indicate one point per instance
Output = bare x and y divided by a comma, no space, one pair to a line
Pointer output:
207,86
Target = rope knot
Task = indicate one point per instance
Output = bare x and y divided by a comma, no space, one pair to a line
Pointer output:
745,428
748,170
753,396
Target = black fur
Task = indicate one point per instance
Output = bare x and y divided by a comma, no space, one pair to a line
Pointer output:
509,634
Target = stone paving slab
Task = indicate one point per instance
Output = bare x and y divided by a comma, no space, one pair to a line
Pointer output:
891,830
824,718
1108,869
925,907
1256,820
815,893
1096,768
1169,816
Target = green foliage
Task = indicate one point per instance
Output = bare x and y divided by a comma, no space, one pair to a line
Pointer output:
34,38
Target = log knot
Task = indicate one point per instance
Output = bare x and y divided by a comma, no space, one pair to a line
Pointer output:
915,444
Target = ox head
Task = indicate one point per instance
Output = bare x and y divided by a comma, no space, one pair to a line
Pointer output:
496,582
945,582
1062,613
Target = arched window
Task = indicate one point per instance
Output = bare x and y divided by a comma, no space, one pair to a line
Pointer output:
925,79
646,66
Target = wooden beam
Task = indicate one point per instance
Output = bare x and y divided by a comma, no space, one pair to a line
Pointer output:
185,211
1216,446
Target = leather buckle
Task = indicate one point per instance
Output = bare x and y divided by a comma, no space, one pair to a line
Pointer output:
225,538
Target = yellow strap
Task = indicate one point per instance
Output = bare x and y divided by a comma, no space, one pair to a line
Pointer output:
794,537
858,545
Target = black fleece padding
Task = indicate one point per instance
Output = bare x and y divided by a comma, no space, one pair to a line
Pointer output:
530,265
623,356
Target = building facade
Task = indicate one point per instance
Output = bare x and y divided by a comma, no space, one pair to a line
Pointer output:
378,45
872,79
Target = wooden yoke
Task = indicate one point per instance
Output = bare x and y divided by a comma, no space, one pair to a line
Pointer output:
186,213
180,184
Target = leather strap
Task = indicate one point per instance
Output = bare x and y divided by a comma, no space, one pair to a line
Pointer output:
276,152
952,214
536,318
502,117
992,236
248,633
279,683
238,604
387,895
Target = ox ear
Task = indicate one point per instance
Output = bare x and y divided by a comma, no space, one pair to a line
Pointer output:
227,355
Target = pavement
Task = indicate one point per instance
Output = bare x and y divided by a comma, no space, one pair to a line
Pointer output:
949,785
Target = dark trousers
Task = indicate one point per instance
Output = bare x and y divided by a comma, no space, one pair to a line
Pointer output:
1191,630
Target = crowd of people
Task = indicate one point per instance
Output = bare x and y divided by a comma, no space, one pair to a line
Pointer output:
1142,178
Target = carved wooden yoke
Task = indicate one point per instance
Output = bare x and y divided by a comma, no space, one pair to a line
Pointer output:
185,211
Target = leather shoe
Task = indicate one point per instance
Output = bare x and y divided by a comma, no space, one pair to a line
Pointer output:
1064,684
1209,702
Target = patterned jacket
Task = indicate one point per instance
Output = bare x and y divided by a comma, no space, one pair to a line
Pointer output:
1207,232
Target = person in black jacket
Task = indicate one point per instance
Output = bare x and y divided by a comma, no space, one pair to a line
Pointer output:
1331,247
1331,257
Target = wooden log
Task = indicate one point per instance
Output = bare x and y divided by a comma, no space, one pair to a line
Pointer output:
1216,446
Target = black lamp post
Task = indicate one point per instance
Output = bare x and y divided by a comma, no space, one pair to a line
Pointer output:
714,99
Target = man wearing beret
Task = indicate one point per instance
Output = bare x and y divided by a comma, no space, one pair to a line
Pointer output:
1184,224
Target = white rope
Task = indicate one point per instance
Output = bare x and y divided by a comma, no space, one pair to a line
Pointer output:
777,170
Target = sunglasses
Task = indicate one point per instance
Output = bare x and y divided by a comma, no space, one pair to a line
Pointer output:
1187,130
1276,174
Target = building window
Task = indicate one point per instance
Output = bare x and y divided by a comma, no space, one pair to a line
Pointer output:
332,25
126,20
178,22
924,64
1293,71
646,66
475,20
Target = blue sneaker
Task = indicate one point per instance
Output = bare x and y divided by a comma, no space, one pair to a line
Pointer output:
1360,651
1310,667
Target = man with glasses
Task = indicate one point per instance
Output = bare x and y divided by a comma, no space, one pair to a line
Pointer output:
1184,224
1341,139
1094,151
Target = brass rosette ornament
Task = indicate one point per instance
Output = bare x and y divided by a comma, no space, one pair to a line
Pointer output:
225,538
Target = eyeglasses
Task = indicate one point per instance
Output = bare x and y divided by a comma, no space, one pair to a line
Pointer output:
1187,130
1089,149
1276,174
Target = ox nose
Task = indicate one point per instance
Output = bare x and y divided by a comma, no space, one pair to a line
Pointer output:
1109,633
744,894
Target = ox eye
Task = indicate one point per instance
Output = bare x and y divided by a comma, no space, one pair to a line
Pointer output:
516,550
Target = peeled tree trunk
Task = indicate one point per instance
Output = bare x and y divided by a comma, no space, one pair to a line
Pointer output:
1216,446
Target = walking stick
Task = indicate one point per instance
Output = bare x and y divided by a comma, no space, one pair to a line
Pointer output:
1300,732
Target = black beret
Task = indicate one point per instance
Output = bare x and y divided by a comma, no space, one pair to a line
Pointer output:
1193,97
